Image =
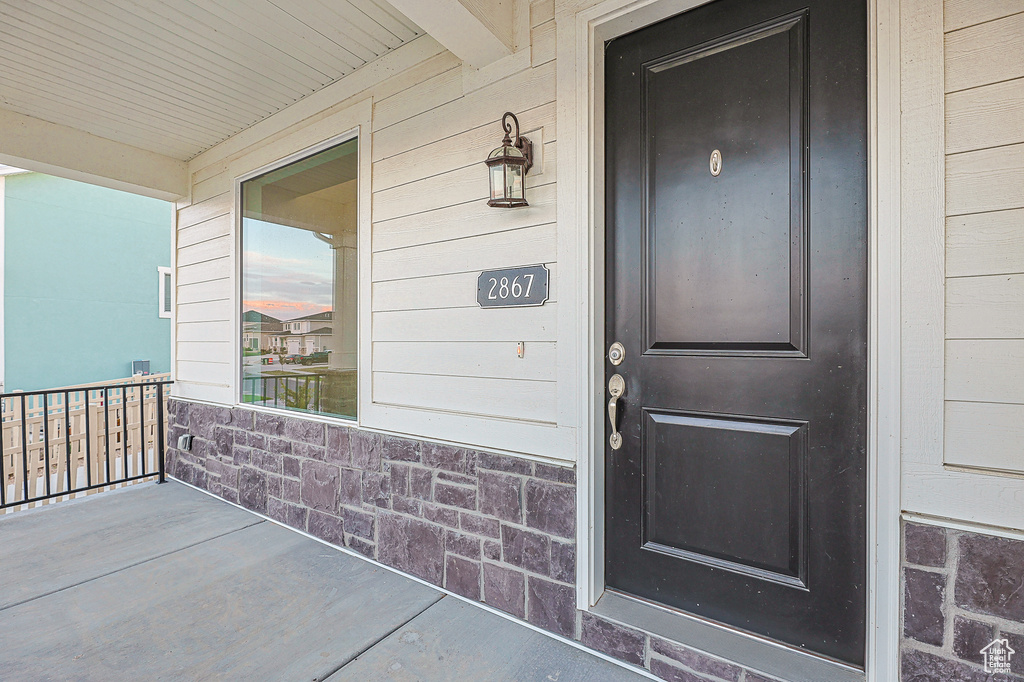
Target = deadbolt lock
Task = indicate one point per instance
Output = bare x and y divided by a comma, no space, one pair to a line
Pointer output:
616,353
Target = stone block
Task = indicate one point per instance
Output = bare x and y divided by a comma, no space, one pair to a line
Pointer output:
358,522
919,666
291,490
253,440
551,507
399,479
696,660
365,450
504,463
406,505
501,496
268,461
1016,642
307,451
241,456
421,483
526,549
367,549
455,495
293,515
555,473
400,449
617,641
351,491
670,673
223,441
252,489
922,607
278,446
447,457
480,525
492,550
411,545
269,424
274,485
446,517
460,543
338,449
462,576
505,589
241,418
327,527
376,489
924,545
456,478
305,431
989,578
551,606
563,561
229,475
970,637
320,486
290,466
202,421
230,495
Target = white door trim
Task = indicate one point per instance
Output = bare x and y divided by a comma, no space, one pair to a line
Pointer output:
580,72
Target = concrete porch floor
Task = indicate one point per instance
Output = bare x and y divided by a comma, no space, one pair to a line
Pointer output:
163,582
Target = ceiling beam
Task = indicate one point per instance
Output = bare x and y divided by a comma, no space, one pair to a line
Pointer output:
478,32
44,147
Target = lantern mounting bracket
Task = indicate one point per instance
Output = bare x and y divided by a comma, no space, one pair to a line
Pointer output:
521,143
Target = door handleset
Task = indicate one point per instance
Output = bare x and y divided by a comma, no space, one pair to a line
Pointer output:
616,389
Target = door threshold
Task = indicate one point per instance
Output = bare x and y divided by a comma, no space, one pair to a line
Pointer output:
734,646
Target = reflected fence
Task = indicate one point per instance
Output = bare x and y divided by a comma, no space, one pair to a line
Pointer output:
66,441
295,391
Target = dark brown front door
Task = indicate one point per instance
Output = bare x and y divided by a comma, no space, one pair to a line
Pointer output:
736,222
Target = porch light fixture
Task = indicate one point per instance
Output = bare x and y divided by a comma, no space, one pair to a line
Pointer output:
507,167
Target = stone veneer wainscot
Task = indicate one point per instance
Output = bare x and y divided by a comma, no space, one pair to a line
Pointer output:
493,528
961,590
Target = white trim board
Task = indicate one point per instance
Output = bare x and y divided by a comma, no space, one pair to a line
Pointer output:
931,486
581,37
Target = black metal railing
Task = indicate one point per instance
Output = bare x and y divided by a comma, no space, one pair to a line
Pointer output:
71,440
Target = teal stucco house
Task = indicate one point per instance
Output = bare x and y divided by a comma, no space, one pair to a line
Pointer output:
84,287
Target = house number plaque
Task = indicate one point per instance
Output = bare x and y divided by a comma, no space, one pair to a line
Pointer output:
512,287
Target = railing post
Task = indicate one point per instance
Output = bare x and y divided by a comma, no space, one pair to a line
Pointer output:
160,432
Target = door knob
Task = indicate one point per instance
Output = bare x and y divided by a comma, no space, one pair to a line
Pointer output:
616,389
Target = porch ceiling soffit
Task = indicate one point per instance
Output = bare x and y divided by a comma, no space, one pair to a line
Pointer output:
147,84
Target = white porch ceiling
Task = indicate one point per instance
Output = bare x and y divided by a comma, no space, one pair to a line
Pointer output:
175,77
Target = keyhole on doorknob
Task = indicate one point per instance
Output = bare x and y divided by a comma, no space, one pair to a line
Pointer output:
716,163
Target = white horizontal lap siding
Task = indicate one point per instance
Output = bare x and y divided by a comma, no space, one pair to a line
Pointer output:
434,348
984,110
532,401
440,366
204,348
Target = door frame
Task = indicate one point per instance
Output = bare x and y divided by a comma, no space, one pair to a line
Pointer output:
580,199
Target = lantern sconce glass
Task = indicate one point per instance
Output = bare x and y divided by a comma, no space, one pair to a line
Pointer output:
507,167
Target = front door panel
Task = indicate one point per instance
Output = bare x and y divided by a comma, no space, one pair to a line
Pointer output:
736,270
